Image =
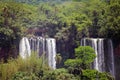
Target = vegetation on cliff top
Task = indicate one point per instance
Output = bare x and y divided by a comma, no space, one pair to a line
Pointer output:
67,21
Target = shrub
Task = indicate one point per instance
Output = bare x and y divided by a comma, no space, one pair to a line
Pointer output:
24,76
8,69
31,64
94,74
84,56
58,74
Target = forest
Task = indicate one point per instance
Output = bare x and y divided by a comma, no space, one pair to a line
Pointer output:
68,21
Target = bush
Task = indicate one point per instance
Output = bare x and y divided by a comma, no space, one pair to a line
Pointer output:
94,74
58,74
8,69
32,64
24,76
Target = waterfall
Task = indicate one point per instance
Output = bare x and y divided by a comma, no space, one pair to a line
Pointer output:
24,48
111,58
39,45
101,59
94,45
51,49
104,61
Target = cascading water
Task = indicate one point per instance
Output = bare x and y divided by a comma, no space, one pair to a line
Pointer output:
51,49
111,58
104,61
94,45
101,59
39,45
24,48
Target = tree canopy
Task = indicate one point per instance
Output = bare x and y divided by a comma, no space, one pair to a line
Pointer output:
66,20
84,56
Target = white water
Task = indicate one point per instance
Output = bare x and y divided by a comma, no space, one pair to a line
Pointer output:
39,45
51,52
24,48
94,45
101,59
101,63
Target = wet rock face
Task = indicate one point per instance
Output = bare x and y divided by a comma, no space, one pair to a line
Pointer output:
117,67
36,31
117,50
4,53
117,59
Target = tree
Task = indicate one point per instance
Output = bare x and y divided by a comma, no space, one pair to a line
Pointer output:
111,27
84,56
14,21
80,66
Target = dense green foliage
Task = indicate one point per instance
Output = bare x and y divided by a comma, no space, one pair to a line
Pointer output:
81,65
32,68
84,56
112,17
24,76
91,18
93,74
19,68
59,74
67,21
14,20
88,16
